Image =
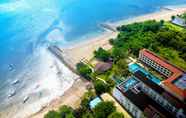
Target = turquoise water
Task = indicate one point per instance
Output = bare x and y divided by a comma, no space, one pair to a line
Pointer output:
130,82
135,67
27,26
24,24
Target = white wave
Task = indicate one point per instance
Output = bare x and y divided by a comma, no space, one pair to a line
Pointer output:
55,36
14,6
44,74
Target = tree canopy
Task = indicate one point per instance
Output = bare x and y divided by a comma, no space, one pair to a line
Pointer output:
84,70
154,36
101,87
102,54
116,115
64,112
104,109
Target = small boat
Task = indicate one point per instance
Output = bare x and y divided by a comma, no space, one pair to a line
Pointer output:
11,67
15,82
37,86
12,93
25,99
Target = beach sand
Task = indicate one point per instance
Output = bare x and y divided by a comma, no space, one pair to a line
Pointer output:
71,97
84,51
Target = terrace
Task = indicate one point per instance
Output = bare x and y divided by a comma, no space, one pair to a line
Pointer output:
134,67
130,89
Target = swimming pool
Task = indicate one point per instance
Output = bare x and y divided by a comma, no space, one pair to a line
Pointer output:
94,102
130,82
135,67
117,80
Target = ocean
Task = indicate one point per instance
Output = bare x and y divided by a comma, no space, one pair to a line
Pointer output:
27,27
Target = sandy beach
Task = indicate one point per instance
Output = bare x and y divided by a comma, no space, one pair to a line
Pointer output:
84,51
71,97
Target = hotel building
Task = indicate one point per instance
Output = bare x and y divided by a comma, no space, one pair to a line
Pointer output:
137,102
144,98
176,77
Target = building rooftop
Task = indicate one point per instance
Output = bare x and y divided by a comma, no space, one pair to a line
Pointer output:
103,66
177,73
179,21
141,100
181,82
94,102
135,67
170,98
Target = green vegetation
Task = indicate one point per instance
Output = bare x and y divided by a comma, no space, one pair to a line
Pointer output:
121,68
52,114
159,37
104,109
102,54
101,87
163,38
173,27
116,115
84,70
64,112
183,16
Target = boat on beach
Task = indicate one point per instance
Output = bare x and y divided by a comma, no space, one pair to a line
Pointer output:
15,82
25,99
12,93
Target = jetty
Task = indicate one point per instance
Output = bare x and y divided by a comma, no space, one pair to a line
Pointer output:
109,27
167,8
56,51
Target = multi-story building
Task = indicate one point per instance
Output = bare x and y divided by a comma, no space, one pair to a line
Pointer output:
172,105
137,93
137,102
176,77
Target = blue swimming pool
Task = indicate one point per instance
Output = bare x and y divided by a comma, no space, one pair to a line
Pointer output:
130,82
94,102
135,67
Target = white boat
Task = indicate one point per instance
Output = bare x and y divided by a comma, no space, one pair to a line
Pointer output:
25,99
12,93
15,82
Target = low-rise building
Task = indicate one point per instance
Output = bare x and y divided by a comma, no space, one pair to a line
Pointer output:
103,66
179,21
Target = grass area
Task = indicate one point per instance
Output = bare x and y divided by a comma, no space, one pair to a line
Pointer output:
173,57
105,76
173,26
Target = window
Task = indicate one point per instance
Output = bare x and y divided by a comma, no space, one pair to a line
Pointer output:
169,107
134,111
128,106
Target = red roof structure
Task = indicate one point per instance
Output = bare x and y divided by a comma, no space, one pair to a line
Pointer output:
177,73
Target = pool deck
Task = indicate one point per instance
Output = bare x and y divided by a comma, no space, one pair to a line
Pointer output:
134,67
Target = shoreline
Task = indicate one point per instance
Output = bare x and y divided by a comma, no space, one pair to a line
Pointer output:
71,97
84,50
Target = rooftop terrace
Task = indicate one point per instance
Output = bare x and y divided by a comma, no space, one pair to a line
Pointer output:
177,89
130,89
